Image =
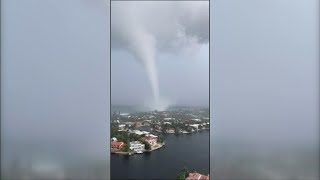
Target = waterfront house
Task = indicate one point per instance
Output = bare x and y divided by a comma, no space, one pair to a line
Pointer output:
195,126
151,135
137,146
197,176
150,140
170,130
117,145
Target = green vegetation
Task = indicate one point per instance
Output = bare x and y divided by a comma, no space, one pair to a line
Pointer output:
189,129
126,148
183,174
120,135
123,136
160,140
164,127
147,145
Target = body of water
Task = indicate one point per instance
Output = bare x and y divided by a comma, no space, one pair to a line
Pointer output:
185,150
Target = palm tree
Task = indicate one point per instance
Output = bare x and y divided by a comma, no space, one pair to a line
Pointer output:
183,174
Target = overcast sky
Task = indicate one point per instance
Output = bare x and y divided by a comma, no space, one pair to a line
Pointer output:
183,80
173,35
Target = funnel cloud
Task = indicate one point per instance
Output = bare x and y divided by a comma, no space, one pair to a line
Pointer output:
145,29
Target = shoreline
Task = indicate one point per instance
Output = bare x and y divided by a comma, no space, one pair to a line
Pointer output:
182,132
132,153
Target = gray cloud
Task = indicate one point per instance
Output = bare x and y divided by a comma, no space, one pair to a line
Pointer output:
146,28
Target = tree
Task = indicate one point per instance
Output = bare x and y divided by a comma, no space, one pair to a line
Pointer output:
147,145
121,138
183,174
126,148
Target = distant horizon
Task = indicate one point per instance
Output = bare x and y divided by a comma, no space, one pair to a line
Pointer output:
176,105
141,108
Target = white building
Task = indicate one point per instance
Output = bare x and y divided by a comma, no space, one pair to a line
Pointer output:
195,125
137,146
170,130
151,135
168,119
121,127
138,132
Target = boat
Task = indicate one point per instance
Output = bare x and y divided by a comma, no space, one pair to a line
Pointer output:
139,152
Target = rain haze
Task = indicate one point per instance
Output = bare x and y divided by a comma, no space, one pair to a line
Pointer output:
54,89
264,89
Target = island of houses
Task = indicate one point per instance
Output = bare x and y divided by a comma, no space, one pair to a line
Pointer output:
137,142
137,133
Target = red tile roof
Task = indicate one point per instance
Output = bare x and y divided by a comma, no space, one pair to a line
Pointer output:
197,176
116,143
149,138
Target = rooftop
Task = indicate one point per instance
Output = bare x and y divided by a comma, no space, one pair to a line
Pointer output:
197,176
116,143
